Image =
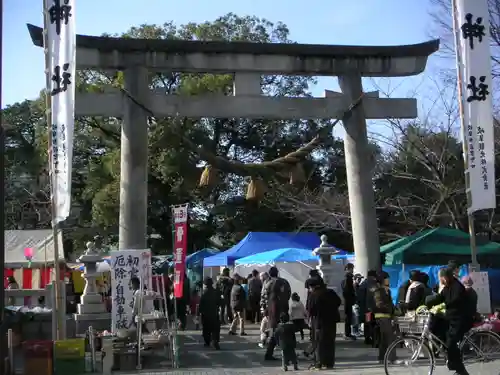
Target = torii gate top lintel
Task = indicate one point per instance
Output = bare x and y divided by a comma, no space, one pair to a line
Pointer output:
266,58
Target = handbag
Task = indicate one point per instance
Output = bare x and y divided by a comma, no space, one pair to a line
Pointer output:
368,316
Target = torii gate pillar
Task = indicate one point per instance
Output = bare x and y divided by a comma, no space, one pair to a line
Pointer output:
359,168
134,162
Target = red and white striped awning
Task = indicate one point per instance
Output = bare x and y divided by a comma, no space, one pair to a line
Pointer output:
32,278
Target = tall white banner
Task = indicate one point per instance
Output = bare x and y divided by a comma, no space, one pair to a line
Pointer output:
61,49
126,264
472,21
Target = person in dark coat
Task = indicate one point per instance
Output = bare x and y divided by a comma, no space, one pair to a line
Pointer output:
276,294
455,267
208,310
365,300
383,310
425,280
313,274
324,309
288,342
349,294
168,289
314,278
358,279
457,315
403,289
415,295
254,294
224,286
471,297
238,305
183,303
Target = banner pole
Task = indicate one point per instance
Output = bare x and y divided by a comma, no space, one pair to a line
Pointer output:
3,343
56,311
459,66
174,299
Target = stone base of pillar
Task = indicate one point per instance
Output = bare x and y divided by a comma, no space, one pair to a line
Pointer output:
99,322
91,299
91,308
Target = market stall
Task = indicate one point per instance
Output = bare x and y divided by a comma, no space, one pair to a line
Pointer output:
29,257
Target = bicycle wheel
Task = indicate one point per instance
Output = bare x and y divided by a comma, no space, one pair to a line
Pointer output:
411,354
480,346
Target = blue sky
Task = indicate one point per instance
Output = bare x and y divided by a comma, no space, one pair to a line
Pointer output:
364,22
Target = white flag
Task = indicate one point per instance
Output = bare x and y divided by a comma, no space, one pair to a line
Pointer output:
472,21
61,49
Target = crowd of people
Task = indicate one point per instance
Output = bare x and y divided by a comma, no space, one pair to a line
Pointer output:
377,310
267,298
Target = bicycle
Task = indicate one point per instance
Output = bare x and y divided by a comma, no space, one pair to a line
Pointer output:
426,345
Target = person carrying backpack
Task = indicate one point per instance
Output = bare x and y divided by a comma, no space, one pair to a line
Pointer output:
275,298
224,286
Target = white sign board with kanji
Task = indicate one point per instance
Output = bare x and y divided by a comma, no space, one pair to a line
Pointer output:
481,284
126,264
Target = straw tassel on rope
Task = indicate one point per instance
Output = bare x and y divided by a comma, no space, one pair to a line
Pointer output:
297,174
280,164
256,189
208,176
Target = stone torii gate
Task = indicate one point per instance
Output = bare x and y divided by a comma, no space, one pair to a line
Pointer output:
247,62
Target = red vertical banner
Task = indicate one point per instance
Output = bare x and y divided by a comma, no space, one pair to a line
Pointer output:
180,247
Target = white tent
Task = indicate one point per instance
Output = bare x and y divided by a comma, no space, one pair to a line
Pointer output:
296,273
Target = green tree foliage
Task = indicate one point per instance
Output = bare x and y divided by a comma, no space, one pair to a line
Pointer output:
26,190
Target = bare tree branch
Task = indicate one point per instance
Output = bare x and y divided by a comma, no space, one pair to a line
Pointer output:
419,181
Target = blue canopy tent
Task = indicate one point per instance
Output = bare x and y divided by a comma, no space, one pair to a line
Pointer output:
196,259
344,255
259,242
279,255
194,265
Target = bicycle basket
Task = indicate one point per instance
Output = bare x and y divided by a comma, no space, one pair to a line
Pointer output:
412,324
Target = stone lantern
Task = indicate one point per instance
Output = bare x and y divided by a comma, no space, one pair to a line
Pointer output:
325,267
91,307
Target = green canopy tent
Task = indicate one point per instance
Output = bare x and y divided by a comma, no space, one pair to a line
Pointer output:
437,246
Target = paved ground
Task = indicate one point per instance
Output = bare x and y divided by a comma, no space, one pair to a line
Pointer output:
242,356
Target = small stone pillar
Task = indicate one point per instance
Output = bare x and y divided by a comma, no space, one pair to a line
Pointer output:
325,268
